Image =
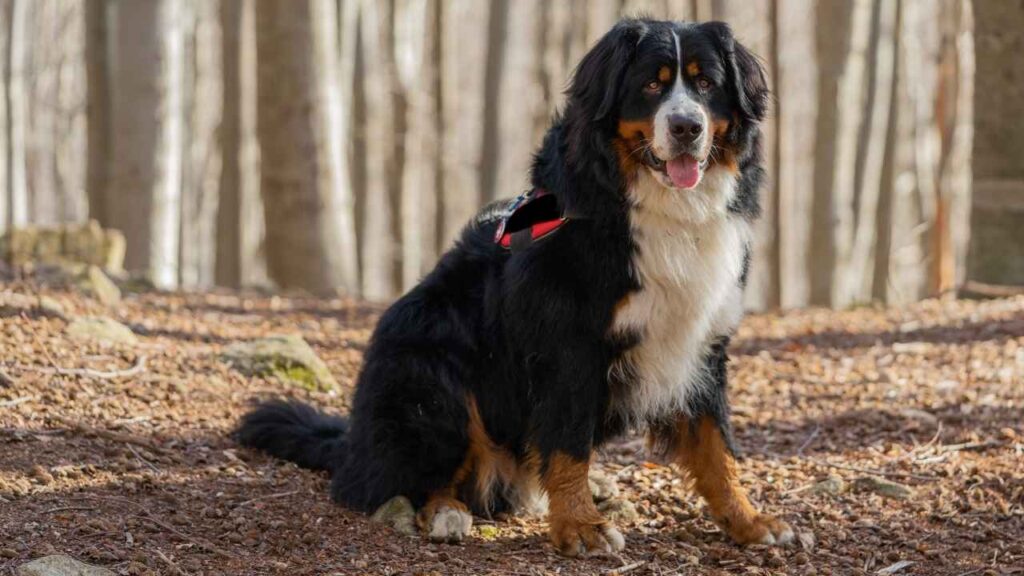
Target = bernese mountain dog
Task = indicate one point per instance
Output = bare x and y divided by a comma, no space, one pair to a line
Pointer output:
599,302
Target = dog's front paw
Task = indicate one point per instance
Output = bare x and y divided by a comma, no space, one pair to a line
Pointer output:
761,529
573,538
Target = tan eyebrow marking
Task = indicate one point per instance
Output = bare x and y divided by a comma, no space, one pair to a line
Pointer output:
693,68
664,74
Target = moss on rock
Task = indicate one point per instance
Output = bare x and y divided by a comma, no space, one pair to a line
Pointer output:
287,358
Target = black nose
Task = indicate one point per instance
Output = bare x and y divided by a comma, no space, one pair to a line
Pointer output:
685,128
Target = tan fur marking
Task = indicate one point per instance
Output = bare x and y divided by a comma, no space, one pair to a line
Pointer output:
664,74
632,134
572,517
636,129
693,68
489,461
705,456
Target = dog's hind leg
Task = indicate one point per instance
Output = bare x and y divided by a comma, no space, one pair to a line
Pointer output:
444,518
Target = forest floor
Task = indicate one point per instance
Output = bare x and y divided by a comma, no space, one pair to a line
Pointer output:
131,467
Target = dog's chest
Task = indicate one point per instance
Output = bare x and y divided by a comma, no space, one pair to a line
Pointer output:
690,293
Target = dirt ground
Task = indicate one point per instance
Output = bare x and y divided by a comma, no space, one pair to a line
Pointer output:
130,466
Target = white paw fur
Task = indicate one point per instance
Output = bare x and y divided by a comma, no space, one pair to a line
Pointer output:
450,525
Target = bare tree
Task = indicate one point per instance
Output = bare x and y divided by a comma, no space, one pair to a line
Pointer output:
97,69
147,127
310,244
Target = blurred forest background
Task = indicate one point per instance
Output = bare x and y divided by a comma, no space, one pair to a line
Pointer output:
341,144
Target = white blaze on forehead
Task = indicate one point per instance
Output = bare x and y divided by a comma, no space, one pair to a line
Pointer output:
680,100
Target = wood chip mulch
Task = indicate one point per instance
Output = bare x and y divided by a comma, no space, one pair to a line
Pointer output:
892,439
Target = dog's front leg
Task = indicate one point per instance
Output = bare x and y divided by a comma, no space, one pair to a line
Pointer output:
701,445
575,525
562,434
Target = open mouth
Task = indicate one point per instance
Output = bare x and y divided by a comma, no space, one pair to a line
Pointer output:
683,171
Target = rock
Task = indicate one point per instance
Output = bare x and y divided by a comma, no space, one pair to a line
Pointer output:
85,243
101,330
12,304
397,513
95,282
882,487
919,415
602,486
60,565
831,485
619,510
287,358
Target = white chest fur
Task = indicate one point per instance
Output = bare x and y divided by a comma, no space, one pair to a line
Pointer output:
689,259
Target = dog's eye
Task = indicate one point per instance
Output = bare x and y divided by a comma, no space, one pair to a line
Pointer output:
703,83
653,87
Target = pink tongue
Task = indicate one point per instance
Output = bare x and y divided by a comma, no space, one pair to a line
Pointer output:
684,171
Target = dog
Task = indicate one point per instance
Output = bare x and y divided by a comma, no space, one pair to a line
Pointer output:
599,302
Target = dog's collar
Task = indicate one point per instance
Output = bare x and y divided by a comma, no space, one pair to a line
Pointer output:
533,215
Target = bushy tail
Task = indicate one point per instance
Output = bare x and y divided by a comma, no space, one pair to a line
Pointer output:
295,432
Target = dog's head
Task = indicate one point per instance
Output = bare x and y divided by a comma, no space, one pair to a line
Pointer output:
676,98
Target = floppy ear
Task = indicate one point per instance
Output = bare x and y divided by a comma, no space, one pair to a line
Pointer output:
599,75
747,73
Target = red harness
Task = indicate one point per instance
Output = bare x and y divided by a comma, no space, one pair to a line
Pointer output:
530,217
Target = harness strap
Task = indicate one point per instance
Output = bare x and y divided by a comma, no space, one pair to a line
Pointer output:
519,240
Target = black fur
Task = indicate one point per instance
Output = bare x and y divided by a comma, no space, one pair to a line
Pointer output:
525,333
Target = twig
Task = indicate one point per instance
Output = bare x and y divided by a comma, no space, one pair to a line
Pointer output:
197,541
627,568
111,435
813,435
169,562
874,472
269,497
67,508
971,446
149,464
16,401
137,368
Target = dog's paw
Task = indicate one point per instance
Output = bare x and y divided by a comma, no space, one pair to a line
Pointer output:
762,529
576,539
449,525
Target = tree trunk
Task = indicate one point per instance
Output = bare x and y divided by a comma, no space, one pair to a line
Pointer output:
796,98
309,241
228,268
204,157
843,34
98,136
997,236
17,106
415,66
147,128
6,24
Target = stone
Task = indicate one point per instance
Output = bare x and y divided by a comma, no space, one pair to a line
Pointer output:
882,487
831,485
100,286
13,304
619,510
60,565
602,487
397,513
285,357
100,330
86,243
